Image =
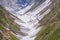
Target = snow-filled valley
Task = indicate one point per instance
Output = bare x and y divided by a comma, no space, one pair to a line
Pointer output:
28,19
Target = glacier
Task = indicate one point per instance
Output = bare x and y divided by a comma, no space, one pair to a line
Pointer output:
30,15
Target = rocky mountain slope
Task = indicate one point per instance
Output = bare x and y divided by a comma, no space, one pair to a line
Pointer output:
7,25
51,24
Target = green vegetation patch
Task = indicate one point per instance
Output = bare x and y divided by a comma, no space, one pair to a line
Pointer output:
51,25
12,37
7,22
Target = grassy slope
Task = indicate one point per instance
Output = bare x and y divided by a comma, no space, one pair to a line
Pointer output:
51,25
7,21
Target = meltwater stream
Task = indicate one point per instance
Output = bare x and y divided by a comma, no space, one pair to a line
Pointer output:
29,14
